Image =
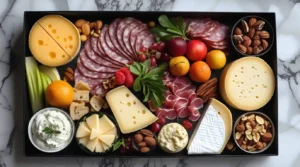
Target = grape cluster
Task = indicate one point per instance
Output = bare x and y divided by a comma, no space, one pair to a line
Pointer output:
128,148
155,52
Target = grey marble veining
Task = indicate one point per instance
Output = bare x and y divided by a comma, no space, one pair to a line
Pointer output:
11,52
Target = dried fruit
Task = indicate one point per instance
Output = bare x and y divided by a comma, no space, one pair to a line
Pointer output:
242,48
245,26
238,31
264,34
252,21
259,25
265,44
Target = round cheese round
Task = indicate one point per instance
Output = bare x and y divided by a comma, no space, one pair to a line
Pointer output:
247,83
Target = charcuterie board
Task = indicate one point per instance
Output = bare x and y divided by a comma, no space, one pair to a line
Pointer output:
150,84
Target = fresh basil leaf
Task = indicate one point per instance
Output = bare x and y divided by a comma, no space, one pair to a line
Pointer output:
160,31
137,84
174,32
181,25
118,144
168,37
134,69
146,66
147,95
166,23
157,70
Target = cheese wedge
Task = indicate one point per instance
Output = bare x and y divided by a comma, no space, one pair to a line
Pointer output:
63,32
45,49
129,112
83,130
99,147
105,147
93,121
213,131
113,131
107,139
247,83
91,145
95,133
84,140
105,124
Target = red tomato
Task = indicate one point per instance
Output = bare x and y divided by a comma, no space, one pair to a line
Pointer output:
187,124
196,50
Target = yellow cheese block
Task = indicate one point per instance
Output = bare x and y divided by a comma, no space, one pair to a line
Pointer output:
247,83
129,112
83,130
45,49
63,32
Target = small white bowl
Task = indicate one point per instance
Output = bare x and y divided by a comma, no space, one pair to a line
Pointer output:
52,150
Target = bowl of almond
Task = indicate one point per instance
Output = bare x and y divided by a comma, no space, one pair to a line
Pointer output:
253,132
252,36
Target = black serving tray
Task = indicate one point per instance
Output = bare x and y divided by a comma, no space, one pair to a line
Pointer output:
228,18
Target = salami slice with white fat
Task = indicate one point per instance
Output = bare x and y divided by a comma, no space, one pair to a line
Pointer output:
90,81
214,27
139,41
89,64
99,59
198,27
148,41
133,36
126,37
93,41
91,74
110,53
219,35
99,90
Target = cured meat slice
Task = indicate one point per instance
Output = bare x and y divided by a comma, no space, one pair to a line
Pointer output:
110,53
199,26
126,36
120,30
90,81
91,74
93,42
99,59
133,36
141,37
99,90
211,30
113,37
148,41
89,64
219,35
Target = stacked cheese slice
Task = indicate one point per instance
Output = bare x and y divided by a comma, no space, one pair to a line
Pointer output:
212,131
97,134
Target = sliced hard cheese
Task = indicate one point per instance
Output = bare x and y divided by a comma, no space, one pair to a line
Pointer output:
105,124
129,112
99,147
247,83
83,130
95,133
91,145
93,121
84,140
107,139
45,49
105,147
63,32
213,130
113,131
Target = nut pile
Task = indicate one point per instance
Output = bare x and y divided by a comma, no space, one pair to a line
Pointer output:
144,140
109,83
69,75
253,133
208,89
87,28
250,38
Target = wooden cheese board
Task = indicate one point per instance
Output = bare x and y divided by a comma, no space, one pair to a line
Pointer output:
224,32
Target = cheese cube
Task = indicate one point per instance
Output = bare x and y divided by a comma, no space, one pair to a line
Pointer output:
129,112
82,95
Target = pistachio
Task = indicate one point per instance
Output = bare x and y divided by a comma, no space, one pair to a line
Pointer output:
259,25
238,39
245,26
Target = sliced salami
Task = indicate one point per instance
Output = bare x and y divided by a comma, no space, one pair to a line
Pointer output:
126,37
110,53
91,65
198,27
99,90
140,38
214,27
94,44
219,35
133,36
90,81
148,41
99,59
91,74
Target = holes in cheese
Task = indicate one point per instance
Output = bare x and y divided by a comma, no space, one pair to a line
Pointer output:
251,89
93,121
83,130
107,139
64,29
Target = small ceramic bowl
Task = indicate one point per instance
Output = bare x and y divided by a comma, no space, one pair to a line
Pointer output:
265,117
100,115
136,147
54,149
266,27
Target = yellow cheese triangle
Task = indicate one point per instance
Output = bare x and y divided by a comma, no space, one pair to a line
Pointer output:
105,124
113,131
95,133
91,145
99,147
84,140
93,121
107,139
83,130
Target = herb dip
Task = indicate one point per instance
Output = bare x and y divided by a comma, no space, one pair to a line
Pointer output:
51,129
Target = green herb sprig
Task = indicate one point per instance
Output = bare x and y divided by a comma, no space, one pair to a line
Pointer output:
149,81
118,144
50,131
170,28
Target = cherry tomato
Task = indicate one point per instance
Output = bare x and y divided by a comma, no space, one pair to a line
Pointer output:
153,61
155,127
142,57
187,124
161,120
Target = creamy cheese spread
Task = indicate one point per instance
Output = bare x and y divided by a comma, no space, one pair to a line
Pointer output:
51,120
173,138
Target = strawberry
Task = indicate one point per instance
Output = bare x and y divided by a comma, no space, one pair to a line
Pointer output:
120,78
129,80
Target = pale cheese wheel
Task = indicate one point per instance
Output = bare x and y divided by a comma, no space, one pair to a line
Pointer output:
247,83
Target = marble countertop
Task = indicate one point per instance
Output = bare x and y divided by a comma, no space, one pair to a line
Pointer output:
11,50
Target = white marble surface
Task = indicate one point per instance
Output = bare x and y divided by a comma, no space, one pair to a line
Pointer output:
11,49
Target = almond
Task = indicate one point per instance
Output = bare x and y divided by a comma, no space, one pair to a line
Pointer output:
252,21
256,37
98,25
145,149
259,25
92,25
247,43
252,123
83,38
249,50
264,34
265,44
86,29
150,141
238,31
142,144
246,38
146,132
257,32
138,138
251,32
242,48
240,128
257,49
259,145
80,22
267,137
256,42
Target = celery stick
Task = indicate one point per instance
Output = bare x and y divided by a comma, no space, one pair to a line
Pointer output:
50,72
